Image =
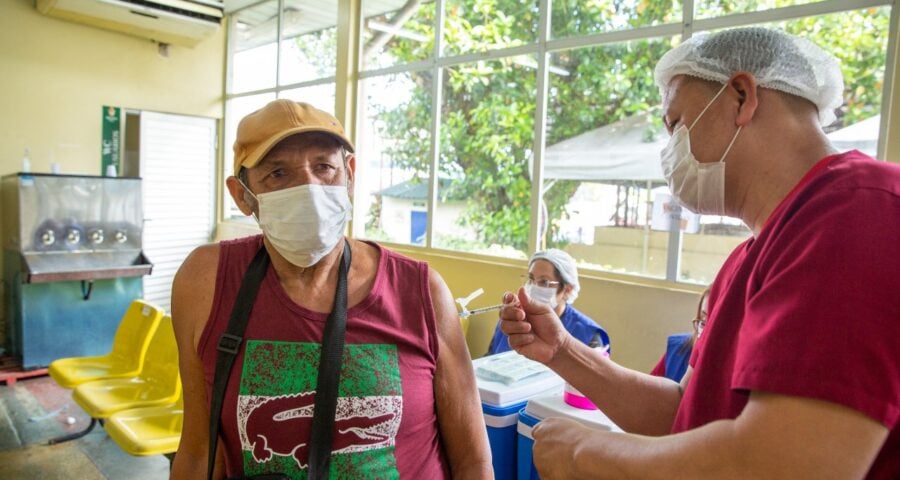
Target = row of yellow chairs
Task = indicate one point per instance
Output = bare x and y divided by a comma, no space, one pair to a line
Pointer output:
134,390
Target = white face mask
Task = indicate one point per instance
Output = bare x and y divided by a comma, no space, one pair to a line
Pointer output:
304,223
700,187
542,294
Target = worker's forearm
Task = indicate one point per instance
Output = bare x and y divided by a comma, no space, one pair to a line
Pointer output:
637,402
775,436
705,453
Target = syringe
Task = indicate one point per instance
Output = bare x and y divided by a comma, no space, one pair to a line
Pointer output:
467,313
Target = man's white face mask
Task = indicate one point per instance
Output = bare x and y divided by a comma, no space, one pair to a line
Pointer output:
305,222
700,187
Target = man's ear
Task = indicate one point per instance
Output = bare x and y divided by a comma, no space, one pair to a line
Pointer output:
237,194
744,83
350,164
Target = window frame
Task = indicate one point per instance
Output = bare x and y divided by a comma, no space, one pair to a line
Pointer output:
347,80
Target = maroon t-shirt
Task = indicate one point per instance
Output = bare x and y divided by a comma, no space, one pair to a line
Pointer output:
385,424
811,307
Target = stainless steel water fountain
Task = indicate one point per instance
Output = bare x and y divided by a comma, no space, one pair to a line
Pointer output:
73,261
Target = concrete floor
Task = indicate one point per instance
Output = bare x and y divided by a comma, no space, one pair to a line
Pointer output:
35,410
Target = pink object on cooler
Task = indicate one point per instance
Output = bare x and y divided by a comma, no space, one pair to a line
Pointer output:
574,398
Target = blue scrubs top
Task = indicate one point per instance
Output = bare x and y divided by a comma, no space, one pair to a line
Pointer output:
578,324
678,352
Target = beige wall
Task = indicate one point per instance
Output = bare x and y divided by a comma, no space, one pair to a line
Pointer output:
55,76
621,249
637,316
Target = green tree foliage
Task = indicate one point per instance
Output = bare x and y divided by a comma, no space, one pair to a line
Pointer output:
488,107
859,40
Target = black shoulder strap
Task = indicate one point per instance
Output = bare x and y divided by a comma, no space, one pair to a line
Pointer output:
329,377
230,343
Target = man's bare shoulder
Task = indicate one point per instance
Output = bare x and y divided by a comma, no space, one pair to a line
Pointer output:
193,289
444,306
201,259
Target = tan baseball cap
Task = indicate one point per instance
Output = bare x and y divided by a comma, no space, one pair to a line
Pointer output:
263,129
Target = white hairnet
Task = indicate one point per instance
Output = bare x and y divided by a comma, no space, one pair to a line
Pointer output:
565,264
778,61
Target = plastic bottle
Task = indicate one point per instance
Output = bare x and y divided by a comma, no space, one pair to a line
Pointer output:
26,162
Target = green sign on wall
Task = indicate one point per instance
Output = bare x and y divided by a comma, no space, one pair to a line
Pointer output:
111,141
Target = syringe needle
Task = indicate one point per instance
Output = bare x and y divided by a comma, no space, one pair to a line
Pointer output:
485,309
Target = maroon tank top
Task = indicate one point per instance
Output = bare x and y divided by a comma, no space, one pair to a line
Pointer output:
385,425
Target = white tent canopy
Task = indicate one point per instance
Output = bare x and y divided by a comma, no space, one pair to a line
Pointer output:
620,151
862,136
615,152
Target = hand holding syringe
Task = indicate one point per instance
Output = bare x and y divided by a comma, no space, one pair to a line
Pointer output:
464,302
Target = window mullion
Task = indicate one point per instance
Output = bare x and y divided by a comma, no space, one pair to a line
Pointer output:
537,235
435,154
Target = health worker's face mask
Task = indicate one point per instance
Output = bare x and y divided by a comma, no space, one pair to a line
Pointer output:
305,222
700,187
542,294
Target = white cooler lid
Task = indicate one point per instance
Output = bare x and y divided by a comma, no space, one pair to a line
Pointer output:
553,405
499,394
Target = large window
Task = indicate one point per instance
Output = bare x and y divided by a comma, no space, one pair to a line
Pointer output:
716,8
478,25
601,164
463,105
396,32
392,187
291,41
583,17
253,48
487,132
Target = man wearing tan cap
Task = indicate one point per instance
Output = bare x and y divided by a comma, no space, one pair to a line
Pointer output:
406,404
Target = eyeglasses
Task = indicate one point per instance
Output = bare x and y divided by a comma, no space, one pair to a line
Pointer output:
541,283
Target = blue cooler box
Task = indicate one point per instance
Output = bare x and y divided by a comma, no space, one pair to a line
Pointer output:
501,403
546,406
501,431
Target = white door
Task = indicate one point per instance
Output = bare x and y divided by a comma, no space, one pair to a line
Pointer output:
177,165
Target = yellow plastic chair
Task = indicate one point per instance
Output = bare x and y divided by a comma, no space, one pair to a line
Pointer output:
128,350
158,383
149,430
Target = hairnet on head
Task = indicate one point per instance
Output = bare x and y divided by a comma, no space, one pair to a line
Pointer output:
778,61
565,264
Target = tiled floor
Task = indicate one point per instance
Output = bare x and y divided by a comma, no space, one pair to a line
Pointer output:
36,410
